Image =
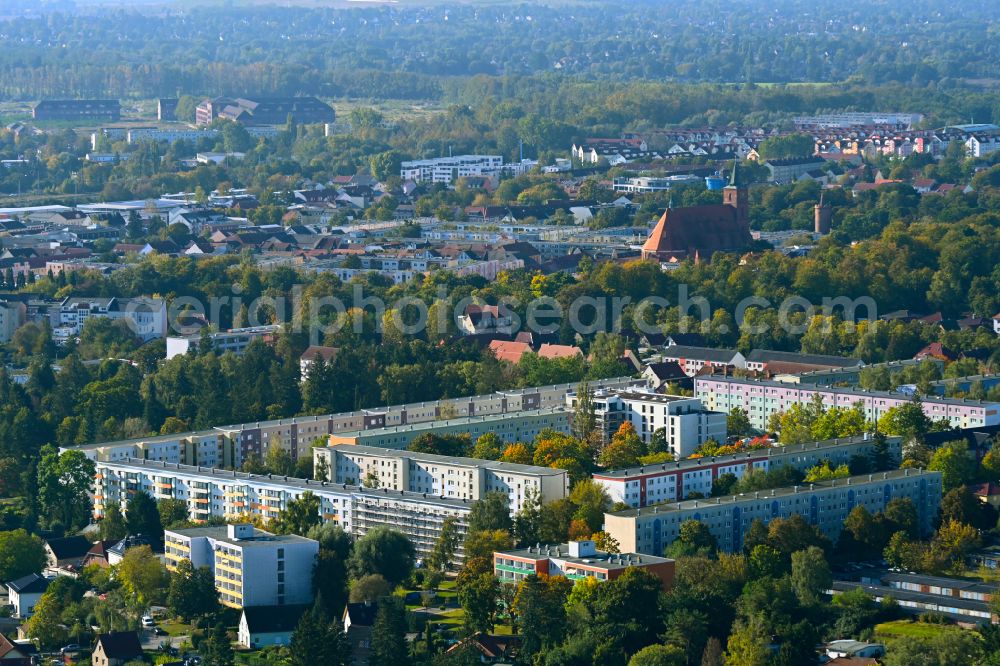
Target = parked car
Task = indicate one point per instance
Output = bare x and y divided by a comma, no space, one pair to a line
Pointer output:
72,647
148,622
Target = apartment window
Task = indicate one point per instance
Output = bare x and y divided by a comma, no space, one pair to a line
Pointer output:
281,553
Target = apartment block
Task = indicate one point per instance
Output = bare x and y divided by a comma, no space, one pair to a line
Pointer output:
519,427
652,484
576,560
146,317
251,567
685,421
236,340
12,317
444,476
229,445
826,505
450,169
760,399
216,493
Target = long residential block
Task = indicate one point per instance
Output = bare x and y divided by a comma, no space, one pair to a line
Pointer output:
761,399
230,445
235,496
518,427
251,567
445,476
824,504
650,484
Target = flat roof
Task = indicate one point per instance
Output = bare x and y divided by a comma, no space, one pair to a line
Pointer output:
861,393
784,491
297,420
221,533
695,463
909,595
275,481
602,559
461,421
458,461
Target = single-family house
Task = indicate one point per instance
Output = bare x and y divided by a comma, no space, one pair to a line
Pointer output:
116,649
25,592
261,626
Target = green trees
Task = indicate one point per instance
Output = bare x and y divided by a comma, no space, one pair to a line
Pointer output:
810,575
738,423
693,539
172,512
142,576
957,467
540,609
478,598
492,512
216,649
299,515
318,640
445,546
112,526
143,518
191,592
64,482
388,643
385,552
20,554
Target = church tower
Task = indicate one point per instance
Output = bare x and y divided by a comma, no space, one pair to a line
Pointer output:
736,195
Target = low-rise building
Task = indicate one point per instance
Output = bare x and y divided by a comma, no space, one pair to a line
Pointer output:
359,620
444,476
695,359
825,505
261,626
576,560
25,592
251,567
791,169
117,649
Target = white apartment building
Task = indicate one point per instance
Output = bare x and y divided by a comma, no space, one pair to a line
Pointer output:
685,421
235,340
515,415
216,493
443,476
251,567
651,484
146,317
824,504
449,169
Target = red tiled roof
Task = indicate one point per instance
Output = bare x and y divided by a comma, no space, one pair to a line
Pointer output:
702,229
508,351
559,351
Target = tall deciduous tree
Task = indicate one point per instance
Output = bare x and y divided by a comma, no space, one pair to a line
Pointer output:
20,554
143,518
383,551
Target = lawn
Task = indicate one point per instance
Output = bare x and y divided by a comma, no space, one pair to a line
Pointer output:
910,629
175,628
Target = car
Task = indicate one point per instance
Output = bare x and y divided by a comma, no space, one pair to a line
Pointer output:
148,622
159,632
72,647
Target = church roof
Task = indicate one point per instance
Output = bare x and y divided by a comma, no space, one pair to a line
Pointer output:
705,229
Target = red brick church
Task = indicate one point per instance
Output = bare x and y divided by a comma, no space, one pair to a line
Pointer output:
699,231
